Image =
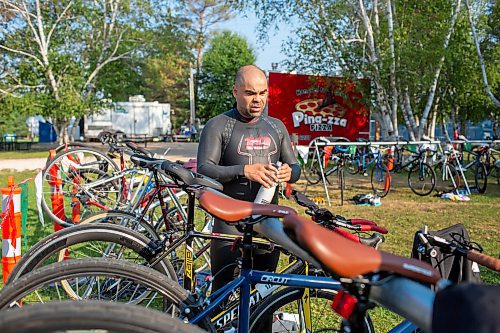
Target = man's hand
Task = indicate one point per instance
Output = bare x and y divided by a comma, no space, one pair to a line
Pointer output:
265,174
284,173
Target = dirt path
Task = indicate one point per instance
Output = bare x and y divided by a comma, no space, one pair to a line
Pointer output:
23,164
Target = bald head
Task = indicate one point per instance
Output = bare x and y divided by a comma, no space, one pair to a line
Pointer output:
250,91
246,71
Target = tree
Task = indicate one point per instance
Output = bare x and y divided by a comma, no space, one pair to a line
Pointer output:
57,50
400,45
227,52
204,14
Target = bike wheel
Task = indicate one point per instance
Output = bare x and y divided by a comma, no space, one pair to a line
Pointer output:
91,241
77,183
380,180
97,279
352,164
203,222
90,316
104,280
123,218
448,179
421,179
312,171
495,173
480,177
287,310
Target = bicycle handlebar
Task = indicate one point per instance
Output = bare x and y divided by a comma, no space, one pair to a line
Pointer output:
375,228
484,260
362,221
481,258
138,149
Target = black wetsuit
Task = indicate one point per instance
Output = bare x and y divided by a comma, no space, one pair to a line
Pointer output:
223,157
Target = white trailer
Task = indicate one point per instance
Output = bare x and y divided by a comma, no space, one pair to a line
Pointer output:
135,118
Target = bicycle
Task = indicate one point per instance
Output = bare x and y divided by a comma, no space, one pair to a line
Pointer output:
59,241
421,177
363,158
391,281
492,163
90,316
475,168
448,178
335,159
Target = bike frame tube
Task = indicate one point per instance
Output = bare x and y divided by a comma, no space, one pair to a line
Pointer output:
249,277
404,327
407,298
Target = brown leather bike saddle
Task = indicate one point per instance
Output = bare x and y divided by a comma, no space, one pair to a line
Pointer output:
346,258
233,210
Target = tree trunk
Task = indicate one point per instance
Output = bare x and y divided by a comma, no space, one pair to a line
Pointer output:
381,96
62,130
445,130
432,90
481,59
408,114
394,90
432,127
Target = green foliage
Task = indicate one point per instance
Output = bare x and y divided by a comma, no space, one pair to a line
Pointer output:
330,39
59,61
227,52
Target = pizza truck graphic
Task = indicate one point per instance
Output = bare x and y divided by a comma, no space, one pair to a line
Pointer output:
312,106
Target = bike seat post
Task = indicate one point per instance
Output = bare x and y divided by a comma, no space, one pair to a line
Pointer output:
245,264
163,207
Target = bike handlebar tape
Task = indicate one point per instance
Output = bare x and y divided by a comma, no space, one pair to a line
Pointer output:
375,228
484,260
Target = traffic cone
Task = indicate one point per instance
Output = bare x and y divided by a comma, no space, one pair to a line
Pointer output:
11,227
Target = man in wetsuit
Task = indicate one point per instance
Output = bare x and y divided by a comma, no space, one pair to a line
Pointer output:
237,148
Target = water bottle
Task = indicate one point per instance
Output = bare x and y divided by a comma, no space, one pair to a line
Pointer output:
265,195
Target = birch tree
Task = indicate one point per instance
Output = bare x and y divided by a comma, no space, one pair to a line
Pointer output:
57,50
487,86
399,45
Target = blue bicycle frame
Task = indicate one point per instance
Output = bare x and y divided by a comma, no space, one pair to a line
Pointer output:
249,277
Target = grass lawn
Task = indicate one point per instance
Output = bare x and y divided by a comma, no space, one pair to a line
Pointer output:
10,155
401,212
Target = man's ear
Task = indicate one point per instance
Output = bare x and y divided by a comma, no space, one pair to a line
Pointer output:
235,90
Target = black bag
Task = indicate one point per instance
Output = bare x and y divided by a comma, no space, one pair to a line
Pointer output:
467,308
452,267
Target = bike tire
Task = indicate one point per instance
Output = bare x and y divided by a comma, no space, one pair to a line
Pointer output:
352,165
95,166
88,317
448,179
312,171
421,179
381,180
480,177
285,299
178,226
134,246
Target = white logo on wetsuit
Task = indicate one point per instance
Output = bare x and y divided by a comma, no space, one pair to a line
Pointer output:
253,144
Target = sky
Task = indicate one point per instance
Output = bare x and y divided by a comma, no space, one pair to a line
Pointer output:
267,53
